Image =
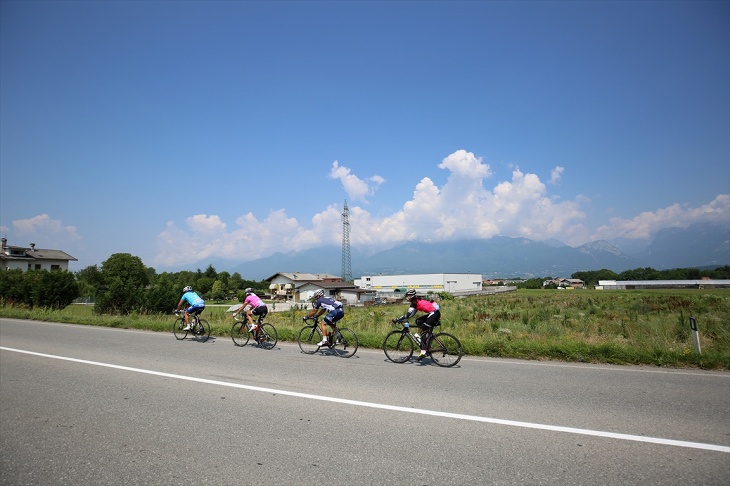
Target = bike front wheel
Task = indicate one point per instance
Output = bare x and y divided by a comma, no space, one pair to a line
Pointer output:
344,342
239,333
202,330
398,347
267,336
309,338
178,328
445,349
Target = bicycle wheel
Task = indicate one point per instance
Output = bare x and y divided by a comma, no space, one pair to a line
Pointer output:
267,336
344,342
445,349
239,333
202,330
398,347
178,328
309,337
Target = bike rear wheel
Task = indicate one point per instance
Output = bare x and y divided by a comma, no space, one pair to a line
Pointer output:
344,342
267,336
240,334
445,349
309,338
178,328
202,330
398,347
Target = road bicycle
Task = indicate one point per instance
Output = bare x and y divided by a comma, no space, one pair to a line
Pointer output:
342,341
443,348
200,328
265,334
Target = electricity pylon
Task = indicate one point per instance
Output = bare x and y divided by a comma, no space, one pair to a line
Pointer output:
346,262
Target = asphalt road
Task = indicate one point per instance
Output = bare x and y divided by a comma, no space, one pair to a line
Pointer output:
82,405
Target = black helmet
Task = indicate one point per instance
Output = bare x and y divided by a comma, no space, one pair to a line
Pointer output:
410,294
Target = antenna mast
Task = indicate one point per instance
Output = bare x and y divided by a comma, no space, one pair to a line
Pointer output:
346,262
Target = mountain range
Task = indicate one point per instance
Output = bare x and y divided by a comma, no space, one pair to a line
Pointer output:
700,245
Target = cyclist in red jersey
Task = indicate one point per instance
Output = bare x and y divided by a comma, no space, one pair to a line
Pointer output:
428,321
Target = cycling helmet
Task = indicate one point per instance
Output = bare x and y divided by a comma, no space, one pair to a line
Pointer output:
187,289
318,294
249,291
410,294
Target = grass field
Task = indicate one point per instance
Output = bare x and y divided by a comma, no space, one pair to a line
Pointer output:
648,327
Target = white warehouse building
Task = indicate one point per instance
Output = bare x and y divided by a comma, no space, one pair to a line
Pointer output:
423,283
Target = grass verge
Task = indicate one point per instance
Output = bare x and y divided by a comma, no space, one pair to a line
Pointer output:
647,327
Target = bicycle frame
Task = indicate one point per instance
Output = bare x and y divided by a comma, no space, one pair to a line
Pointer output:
443,348
427,333
265,335
341,340
200,328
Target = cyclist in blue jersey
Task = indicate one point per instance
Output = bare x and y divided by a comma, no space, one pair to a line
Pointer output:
333,308
193,302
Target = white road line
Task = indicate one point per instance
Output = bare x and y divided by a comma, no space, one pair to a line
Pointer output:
458,416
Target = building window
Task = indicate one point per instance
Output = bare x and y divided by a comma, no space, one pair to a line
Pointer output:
55,267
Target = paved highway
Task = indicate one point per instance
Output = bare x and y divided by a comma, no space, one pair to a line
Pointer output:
83,405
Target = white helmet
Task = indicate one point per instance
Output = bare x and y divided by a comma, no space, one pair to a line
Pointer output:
318,294
187,289
249,291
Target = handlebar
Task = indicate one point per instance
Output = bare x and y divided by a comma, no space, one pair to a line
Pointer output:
401,324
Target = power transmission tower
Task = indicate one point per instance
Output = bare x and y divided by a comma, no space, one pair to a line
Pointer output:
346,263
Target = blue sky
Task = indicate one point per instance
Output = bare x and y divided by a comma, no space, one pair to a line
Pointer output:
187,131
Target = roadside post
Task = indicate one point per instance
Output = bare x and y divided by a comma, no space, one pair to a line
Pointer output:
695,334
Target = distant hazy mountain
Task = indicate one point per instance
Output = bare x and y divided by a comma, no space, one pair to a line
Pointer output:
697,246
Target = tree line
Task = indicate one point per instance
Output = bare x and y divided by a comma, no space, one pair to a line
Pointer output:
591,277
121,285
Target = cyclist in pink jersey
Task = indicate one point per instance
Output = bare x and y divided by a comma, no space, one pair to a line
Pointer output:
430,319
253,306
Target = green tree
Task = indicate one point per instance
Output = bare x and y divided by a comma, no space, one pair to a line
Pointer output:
164,294
533,283
90,281
647,273
39,288
235,283
203,286
13,286
211,273
125,278
55,290
217,293
592,277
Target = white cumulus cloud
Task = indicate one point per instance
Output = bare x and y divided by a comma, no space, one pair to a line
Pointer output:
464,207
645,224
357,189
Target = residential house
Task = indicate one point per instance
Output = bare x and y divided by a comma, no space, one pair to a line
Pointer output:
300,287
32,258
565,283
